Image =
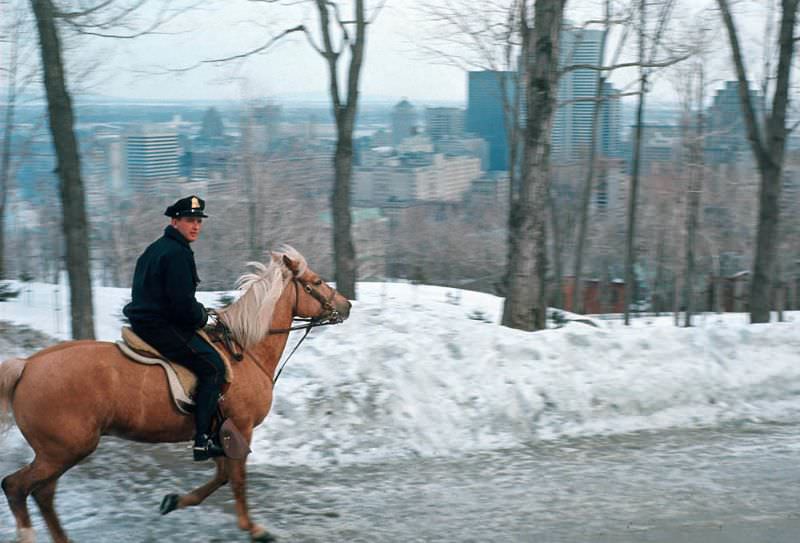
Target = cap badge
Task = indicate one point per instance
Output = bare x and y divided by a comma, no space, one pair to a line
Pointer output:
195,203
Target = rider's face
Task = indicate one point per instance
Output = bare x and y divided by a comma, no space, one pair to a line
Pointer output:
189,227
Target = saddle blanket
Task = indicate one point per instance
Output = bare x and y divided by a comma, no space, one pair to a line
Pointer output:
182,382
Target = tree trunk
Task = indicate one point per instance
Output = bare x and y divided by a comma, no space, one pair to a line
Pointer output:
659,298
74,223
254,235
630,237
780,291
558,251
693,211
676,301
345,115
342,221
763,277
515,133
525,306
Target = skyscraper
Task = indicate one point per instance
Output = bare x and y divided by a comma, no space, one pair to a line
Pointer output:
152,158
572,121
404,120
610,122
444,122
486,114
727,134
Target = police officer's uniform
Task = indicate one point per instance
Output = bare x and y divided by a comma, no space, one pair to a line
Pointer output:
164,312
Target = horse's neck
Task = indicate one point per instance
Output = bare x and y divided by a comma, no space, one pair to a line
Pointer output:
268,351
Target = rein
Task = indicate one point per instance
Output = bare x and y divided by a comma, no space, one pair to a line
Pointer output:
330,316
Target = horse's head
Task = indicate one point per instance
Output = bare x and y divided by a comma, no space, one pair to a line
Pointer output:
315,298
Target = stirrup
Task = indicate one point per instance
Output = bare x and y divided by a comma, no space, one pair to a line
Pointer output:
208,450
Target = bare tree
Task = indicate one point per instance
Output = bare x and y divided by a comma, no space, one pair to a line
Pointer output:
101,19
344,112
74,222
338,36
646,60
690,82
488,36
768,146
586,193
525,302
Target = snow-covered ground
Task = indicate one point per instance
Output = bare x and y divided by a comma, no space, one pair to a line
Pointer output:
421,370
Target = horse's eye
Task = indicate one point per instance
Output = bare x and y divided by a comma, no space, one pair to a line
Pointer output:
318,282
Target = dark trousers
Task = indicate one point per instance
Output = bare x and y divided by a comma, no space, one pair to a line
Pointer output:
188,349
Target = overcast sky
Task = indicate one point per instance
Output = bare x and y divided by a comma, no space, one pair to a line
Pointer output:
395,65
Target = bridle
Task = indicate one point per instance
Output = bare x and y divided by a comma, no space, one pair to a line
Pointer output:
330,315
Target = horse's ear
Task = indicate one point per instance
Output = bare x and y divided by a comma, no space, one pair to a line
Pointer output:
291,264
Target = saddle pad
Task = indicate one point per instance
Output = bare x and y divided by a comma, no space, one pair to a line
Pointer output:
182,381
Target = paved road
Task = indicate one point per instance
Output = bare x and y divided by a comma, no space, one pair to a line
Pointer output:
732,484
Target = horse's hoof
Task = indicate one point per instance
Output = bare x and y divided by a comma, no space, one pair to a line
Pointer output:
169,504
26,535
263,536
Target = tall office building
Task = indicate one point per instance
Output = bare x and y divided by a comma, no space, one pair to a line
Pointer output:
486,114
212,127
444,122
152,158
572,121
610,122
727,134
103,172
404,121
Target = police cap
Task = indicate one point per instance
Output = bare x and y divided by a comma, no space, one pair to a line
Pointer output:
191,206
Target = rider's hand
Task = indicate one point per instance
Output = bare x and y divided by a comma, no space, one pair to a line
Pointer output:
212,315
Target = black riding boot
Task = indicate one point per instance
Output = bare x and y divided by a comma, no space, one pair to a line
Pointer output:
205,446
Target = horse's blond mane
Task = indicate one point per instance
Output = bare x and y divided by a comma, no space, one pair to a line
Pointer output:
250,316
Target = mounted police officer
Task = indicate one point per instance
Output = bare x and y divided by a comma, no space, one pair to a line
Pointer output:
164,312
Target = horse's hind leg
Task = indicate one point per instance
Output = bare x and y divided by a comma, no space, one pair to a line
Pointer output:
38,478
172,502
17,502
44,497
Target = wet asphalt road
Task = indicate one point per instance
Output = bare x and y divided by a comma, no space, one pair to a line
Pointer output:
736,483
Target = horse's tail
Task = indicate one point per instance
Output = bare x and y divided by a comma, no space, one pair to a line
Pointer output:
10,373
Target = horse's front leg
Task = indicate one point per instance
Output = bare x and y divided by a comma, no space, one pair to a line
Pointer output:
172,502
237,477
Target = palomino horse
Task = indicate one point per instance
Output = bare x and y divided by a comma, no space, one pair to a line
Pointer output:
64,398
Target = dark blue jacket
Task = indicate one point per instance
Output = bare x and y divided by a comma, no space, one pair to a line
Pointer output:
164,286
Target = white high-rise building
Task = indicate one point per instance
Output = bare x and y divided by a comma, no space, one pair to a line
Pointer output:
103,172
152,158
444,122
572,121
413,178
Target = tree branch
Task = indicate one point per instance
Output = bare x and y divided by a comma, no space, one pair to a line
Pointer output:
251,52
75,14
329,54
654,64
598,99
